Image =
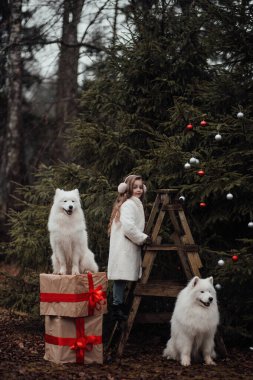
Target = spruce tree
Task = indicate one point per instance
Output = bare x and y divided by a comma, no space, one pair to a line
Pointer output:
181,64
222,228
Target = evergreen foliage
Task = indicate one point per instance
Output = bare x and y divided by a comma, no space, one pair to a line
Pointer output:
20,293
236,296
182,63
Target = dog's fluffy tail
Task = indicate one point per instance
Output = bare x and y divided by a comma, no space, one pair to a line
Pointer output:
88,263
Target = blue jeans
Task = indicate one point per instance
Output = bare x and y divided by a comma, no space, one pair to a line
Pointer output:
118,291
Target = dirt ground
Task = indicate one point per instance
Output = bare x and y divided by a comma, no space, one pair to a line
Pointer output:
22,350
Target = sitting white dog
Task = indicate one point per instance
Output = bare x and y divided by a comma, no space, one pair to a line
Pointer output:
194,322
68,235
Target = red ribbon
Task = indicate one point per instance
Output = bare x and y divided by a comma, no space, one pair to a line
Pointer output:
93,296
80,344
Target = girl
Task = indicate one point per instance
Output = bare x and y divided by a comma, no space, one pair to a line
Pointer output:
126,238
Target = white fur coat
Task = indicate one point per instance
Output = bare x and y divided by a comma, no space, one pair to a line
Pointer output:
125,243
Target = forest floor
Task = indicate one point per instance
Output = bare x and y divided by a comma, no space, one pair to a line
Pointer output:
22,351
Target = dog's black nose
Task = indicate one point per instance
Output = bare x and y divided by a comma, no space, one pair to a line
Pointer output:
70,207
210,299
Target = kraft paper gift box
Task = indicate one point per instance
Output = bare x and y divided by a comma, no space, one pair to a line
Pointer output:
74,340
73,295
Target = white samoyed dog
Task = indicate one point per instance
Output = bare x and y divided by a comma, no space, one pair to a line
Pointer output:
68,235
194,322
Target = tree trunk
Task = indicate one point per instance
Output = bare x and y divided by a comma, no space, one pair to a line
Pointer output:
11,154
4,38
67,86
115,20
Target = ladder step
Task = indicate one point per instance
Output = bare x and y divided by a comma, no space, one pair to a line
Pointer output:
153,318
158,289
173,247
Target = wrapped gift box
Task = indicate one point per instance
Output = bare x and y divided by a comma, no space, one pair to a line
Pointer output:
73,295
74,340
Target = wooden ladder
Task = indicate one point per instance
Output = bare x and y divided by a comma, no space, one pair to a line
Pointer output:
182,243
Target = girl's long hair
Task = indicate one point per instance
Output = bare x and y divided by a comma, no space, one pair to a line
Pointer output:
122,198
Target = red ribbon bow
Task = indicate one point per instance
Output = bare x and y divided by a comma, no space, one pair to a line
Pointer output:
95,297
85,343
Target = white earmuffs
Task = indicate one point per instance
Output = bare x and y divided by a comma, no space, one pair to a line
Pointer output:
122,188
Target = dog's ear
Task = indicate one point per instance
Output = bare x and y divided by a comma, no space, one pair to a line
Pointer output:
77,192
195,280
57,192
211,279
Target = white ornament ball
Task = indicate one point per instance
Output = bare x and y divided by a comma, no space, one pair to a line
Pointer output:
196,161
218,137
240,115
250,224
221,263
187,165
218,286
192,160
229,196
182,198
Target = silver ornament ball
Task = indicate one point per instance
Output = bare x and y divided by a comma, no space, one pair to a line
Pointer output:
187,165
240,115
218,137
250,224
218,286
182,198
221,263
229,196
192,160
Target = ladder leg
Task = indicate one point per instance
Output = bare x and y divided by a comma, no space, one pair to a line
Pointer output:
183,258
115,327
193,257
129,324
221,348
154,211
190,260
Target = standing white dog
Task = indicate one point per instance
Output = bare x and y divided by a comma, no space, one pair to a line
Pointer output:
68,235
194,323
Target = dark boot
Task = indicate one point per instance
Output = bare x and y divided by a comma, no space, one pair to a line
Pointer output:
118,313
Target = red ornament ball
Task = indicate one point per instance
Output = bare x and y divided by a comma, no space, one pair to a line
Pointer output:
235,258
203,123
189,127
201,172
202,204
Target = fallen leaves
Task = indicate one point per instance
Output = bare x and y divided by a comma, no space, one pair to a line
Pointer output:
22,351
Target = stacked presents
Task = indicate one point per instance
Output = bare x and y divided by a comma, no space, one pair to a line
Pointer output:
73,306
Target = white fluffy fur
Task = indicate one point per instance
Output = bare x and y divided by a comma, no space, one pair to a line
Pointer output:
68,235
194,322
122,188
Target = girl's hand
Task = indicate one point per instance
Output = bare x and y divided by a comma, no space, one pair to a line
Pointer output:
148,241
